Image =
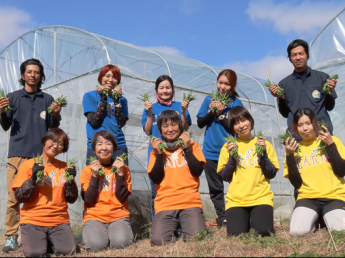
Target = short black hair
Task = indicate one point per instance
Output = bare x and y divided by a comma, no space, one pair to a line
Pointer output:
305,112
167,115
106,135
235,114
163,78
55,134
32,61
297,43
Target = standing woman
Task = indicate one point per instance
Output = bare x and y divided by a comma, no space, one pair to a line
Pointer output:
319,177
104,112
249,197
216,129
44,216
164,94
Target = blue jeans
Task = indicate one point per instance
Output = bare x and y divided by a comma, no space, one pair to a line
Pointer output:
118,152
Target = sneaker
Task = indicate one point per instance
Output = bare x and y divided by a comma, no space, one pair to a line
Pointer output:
11,245
224,223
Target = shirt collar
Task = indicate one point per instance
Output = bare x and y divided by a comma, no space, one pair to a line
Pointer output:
24,93
295,75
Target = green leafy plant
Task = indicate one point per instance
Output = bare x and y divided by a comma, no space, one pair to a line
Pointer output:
145,97
162,145
221,98
280,91
69,178
325,86
234,150
259,149
188,97
202,235
40,173
283,138
101,172
124,157
322,145
181,141
62,100
2,95
116,94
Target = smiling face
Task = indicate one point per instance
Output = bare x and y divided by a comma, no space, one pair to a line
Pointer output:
305,129
243,127
32,75
52,148
104,149
165,90
109,81
299,58
223,85
170,130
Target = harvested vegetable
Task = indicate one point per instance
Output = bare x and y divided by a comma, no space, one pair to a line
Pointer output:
322,145
181,141
69,178
105,91
221,98
188,97
325,86
234,150
259,149
116,94
280,91
145,98
40,173
124,157
283,138
2,95
101,172
162,145
62,100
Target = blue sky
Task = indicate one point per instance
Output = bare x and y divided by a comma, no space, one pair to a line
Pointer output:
243,35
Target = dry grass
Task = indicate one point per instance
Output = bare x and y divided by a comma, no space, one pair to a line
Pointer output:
217,244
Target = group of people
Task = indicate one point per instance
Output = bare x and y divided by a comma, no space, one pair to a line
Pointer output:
175,162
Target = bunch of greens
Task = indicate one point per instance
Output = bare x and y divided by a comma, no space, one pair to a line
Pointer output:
283,138
105,91
234,150
322,145
116,94
2,95
124,157
145,98
162,145
188,97
259,149
62,100
181,141
40,173
69,178
221,98
101,172
325,86
280,91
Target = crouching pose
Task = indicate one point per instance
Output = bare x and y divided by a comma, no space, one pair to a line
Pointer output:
176,171
318,174
105,187
249,197
44,218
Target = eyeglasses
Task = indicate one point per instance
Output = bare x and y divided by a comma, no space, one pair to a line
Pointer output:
223,83
60,145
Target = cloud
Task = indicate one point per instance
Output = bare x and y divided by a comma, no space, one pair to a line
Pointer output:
14,22
305,18
189,6
168,50
280,67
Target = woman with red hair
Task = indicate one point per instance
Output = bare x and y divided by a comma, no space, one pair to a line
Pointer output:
106,111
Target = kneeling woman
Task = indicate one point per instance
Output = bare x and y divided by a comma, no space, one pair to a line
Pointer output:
318,175
249,197
44,217
106,212
176,171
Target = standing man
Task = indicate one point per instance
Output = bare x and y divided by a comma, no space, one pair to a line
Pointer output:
29,121
303,88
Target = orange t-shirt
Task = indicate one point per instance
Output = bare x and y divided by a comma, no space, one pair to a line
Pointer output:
179,188
48,206
107,207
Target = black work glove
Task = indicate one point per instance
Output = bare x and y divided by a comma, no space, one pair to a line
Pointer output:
72,171
36,167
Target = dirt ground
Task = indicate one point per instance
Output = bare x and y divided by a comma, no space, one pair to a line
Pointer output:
216,244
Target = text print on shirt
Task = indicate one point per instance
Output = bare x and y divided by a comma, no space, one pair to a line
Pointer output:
107,183
248,159
173,160
51,179
313,158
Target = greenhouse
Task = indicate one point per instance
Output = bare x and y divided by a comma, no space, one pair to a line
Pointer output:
72,59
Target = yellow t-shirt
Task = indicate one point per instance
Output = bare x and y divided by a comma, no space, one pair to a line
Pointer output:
249,186
319,180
